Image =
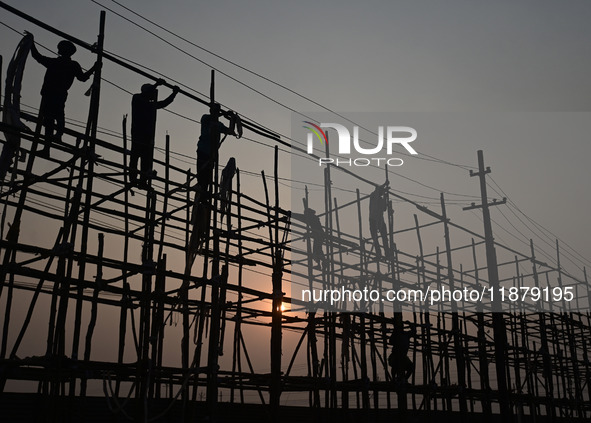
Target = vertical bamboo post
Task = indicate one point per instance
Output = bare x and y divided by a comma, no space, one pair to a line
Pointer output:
330,317
94,309
125,283
362,339
588,288
355,359
574,364
517,357
276,314
564,306
313,363
157,331
214,334
394,285
91,131
459,351
236,357
166,196
345,324
544,347
373,359
148,269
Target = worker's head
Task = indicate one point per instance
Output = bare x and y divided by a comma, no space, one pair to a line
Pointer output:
310,212
148,89
215,109
66,48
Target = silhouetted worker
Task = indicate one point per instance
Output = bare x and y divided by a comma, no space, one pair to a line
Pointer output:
143,130
226,184
378,204
318,235
402,366
59,77
208,144
200,223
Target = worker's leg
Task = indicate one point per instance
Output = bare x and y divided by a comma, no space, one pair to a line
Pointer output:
133,159
384,232
147,156
60,119
409,368
47,115
8,154
317,251
204,172
373,228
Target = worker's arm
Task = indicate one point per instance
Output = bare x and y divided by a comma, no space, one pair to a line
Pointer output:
45,61
84,76
224,129
162,104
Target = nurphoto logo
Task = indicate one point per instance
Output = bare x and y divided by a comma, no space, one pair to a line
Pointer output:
388,136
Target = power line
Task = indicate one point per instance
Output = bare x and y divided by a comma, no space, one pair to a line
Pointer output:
316,103
427,157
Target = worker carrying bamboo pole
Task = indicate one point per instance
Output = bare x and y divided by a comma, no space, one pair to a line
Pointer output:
207,146
378,204
59,77
144,106
402,366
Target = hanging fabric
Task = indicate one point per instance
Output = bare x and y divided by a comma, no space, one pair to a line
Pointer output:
12,103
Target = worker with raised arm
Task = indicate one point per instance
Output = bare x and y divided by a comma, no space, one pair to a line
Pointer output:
59,77
208,144
144,106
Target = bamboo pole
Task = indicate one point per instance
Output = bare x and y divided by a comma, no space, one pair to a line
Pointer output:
459,351
362,333
93,311
277,303
125,284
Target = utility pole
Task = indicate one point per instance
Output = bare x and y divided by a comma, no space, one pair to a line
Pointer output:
499,330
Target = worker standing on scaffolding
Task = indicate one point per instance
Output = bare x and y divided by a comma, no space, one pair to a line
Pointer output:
312,221
59,77
402,366
143,130
378,204
208,144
